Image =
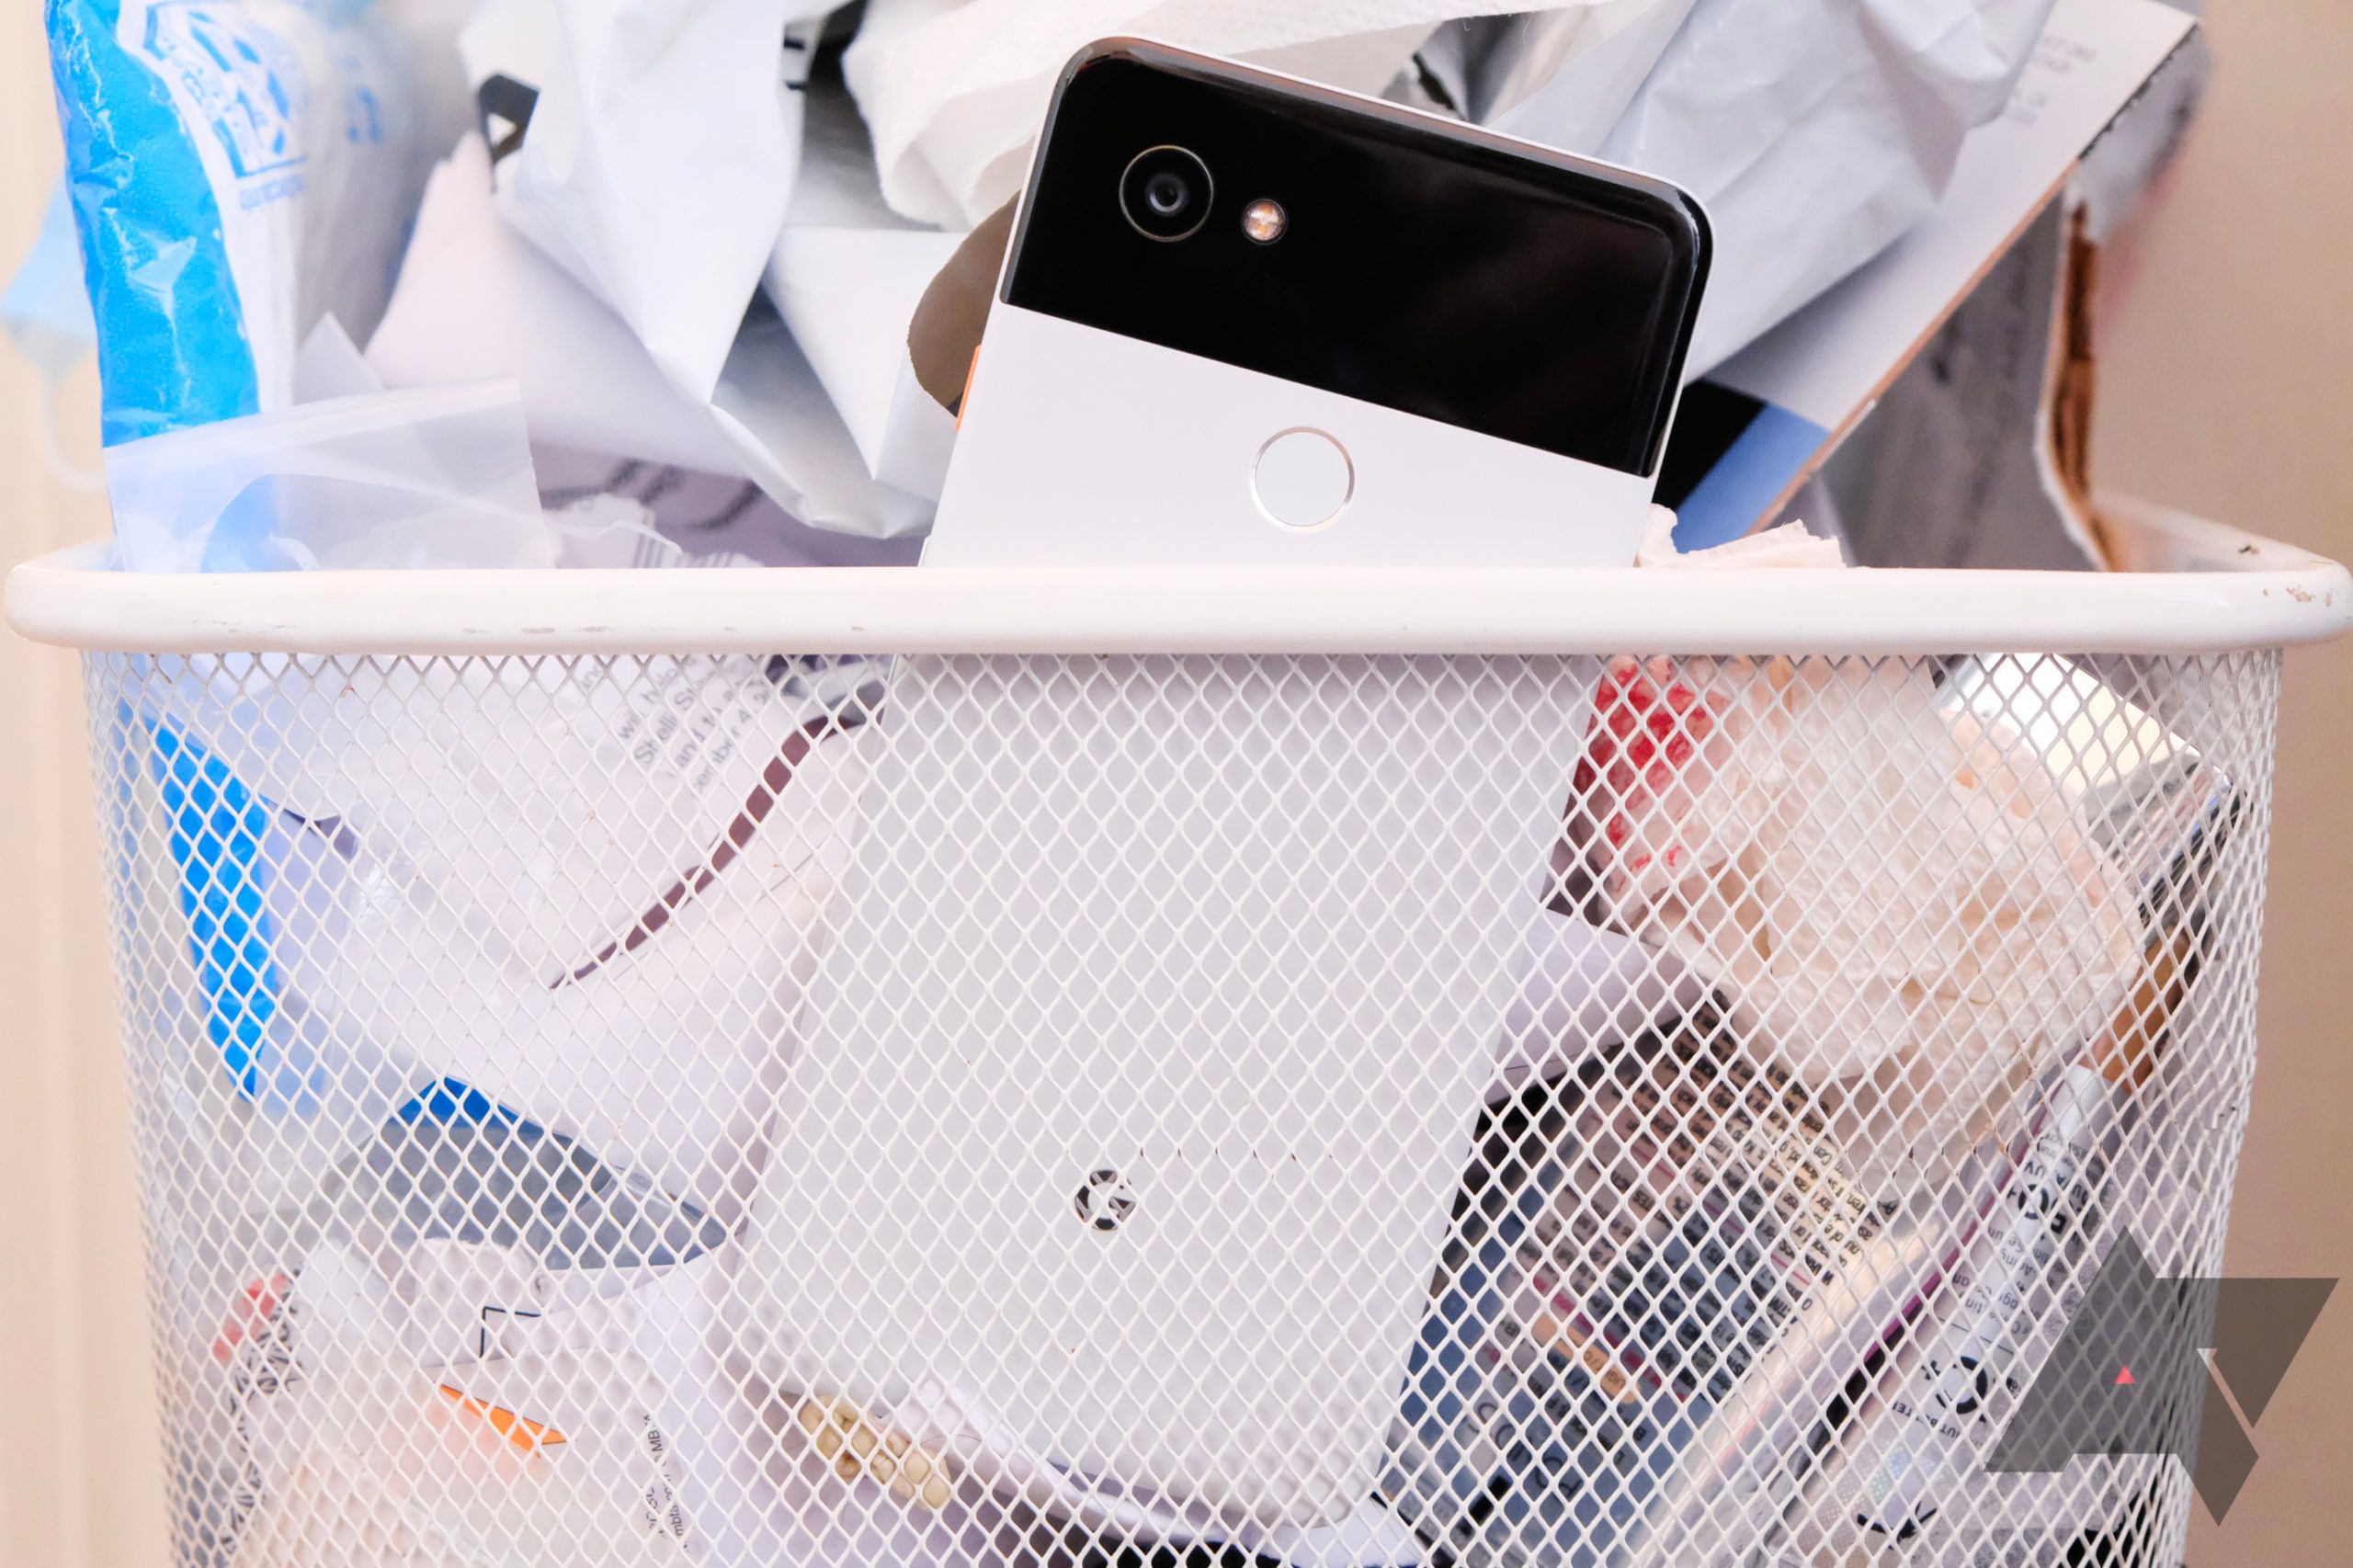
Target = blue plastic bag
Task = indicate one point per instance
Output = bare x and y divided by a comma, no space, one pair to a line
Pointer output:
238,169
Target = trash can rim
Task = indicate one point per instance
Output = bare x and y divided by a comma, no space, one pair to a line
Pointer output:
2186,585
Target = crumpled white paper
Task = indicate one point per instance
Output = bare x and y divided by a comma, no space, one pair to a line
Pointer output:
1559,77
846,276
660,156
476,299
663,151
1787,548
1583,990
436,1487
1814,131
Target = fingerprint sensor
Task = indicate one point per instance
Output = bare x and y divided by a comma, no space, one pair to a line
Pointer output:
1304,479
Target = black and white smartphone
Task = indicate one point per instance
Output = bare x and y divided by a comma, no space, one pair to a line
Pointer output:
1245,320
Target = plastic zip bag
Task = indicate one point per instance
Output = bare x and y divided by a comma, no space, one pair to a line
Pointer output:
360,1455
432,478
1921,937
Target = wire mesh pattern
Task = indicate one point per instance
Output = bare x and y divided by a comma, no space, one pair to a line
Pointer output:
1338,1111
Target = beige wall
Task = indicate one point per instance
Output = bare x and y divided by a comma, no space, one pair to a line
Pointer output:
2228,389
79,1483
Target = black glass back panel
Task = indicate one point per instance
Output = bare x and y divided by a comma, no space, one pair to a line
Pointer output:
1422,267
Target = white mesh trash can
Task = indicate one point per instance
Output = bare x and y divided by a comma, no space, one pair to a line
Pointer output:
950,1068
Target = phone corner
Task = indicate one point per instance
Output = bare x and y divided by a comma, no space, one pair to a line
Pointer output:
1703,229
1114,47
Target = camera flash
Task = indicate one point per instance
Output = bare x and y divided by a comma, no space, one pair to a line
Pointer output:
1264,222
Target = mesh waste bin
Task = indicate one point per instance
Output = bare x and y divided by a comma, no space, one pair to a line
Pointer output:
945,1068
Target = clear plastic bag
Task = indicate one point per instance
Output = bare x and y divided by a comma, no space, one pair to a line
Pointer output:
406,479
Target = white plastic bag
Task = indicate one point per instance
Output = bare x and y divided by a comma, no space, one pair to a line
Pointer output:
611,939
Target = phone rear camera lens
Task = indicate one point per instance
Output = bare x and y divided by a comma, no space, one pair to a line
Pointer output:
1166,192
1166,195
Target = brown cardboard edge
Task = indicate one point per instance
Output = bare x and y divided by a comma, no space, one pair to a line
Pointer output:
945,331
2072,390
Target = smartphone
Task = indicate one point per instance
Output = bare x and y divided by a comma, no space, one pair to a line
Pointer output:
1156,1012
1249,321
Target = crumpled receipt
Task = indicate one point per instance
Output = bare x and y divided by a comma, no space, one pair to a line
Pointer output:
1887,891
954,90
